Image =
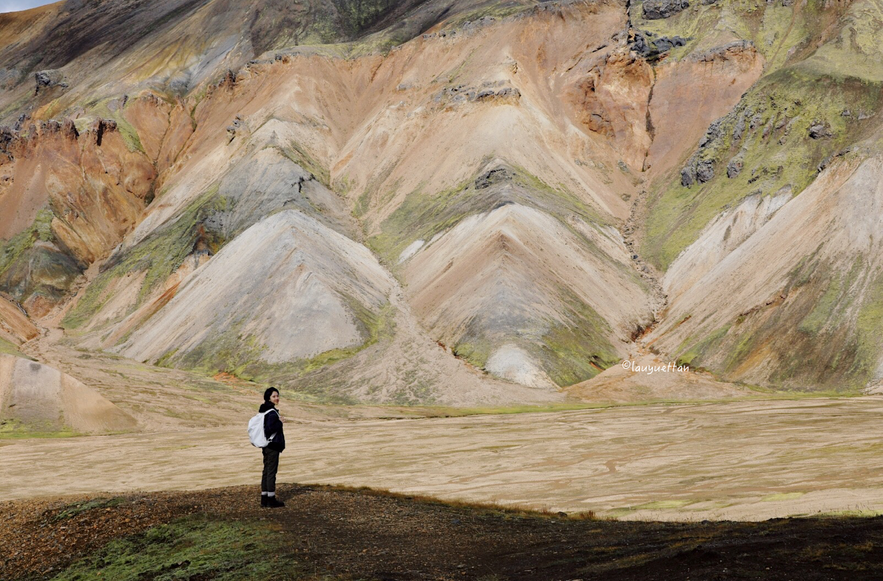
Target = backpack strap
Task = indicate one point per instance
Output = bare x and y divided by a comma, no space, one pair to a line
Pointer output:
273,435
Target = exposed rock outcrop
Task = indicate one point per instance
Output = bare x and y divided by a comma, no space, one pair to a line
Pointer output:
652,47
658,9
15,326
97,188
47,79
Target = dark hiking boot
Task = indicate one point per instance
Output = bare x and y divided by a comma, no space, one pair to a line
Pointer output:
273,502
264,499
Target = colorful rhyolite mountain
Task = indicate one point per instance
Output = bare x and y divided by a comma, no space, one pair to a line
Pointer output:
448,202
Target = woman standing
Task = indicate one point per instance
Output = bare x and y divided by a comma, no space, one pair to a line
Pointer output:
273,430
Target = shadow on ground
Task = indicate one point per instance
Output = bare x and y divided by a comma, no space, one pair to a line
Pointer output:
331,533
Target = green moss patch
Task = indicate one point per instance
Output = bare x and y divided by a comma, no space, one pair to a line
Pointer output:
422,215
782,34
824,338
869,323
192,548
79,508
13,249
160,254
791,124
13,429
578,350
240,355
28,268
696,350
7,348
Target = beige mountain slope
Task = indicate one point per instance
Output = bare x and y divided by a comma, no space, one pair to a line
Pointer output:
518,268
512,168
280,289
289,290
43,399
774,289
460,101
15,327
819,300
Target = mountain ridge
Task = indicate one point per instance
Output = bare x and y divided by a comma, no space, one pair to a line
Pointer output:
525,176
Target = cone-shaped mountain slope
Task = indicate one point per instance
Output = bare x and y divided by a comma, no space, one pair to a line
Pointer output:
517,278
146,271
803,317
288,297
287,289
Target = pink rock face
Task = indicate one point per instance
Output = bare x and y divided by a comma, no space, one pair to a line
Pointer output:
689,95
97,191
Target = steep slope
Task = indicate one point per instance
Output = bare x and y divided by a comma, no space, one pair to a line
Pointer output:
806,318
518,292
287,289
15,327
38,398
317,128
769,278
66,198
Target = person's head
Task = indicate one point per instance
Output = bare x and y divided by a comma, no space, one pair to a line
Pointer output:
272,395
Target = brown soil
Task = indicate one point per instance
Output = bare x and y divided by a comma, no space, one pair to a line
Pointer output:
360,534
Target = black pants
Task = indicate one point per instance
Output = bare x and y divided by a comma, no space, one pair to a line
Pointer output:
271,465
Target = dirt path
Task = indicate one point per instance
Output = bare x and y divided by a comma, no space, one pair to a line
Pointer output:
743,460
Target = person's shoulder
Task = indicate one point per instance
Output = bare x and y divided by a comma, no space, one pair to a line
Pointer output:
266,406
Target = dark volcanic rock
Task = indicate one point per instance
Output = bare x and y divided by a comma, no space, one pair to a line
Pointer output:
7,136
648,47
818,131
492,177
656,9
713,133
688,176
734,167
705,171
739,128
47,79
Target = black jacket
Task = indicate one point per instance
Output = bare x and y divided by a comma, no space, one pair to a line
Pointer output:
273,425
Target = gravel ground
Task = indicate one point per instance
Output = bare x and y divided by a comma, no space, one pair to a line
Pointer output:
361,534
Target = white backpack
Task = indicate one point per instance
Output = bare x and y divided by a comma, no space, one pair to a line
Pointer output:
256,430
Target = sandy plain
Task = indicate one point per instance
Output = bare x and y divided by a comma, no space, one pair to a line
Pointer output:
743,460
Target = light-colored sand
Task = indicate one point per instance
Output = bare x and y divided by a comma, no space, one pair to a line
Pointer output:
46,399
745,460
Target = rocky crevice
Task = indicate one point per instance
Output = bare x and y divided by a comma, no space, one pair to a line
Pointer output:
648,273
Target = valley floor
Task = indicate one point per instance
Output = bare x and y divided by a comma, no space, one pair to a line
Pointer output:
742,460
